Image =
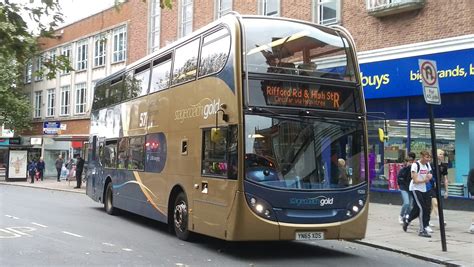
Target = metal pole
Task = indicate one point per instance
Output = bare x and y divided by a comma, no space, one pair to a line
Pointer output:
437,177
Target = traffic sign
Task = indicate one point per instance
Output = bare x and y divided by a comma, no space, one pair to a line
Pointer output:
429,78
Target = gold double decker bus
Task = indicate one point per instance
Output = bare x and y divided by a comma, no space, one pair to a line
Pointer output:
251,128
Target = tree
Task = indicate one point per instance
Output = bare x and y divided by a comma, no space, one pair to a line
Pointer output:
18,46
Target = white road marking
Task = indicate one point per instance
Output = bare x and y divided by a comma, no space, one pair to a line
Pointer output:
69,233
23,230
40,225
9,234
13,217
108,244
127,249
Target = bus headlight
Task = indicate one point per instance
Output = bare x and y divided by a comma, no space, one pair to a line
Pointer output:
354,209
260,207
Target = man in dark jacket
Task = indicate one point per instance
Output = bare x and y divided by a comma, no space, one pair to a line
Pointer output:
40,166
403,179
59,165
79,169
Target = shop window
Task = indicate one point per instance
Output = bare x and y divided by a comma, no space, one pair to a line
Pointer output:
219,156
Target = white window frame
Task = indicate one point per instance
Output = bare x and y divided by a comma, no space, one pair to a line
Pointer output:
119,51
222,11
38,66
38,98
155,25
100,48
66,51
81,55
262,6
81,98
51,99
65,101
28,71
318,9
185,23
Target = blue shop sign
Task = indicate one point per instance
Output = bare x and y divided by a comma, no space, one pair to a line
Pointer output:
51,127
401,77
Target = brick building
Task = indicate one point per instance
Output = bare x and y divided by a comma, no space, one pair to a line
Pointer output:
97,46
391,35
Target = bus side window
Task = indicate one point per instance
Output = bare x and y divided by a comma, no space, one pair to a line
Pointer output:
110,154
214,159
219,156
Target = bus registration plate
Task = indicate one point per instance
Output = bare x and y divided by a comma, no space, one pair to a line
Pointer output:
309,235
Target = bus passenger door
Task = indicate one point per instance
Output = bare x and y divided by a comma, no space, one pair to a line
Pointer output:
215,188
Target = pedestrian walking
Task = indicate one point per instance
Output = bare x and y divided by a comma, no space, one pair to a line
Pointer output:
59,165
421,175
40,166
443,172
470,188
79,169
404,179
32,171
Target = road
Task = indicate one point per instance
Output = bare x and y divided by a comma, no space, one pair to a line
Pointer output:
47,227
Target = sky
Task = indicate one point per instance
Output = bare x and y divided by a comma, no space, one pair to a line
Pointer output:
73,10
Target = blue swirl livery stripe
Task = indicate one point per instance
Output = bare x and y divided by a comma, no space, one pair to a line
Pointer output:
146,191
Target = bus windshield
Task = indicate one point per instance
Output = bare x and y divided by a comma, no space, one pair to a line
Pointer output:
286,47
303,154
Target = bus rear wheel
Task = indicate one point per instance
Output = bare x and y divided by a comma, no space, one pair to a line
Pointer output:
108,203
180,217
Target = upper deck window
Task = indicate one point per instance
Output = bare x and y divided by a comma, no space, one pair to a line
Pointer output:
285,47
215,51
185,62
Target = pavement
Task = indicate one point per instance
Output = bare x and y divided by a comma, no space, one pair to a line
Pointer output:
383,230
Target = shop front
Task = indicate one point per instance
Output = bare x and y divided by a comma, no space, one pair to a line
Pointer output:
394,100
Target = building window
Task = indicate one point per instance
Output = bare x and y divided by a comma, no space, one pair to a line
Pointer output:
186,18
28,72
81,98
66,52
100,43
155,18
38,103
120,44
51,96
327,11
65,100
38,68
223,7
270,8
81,59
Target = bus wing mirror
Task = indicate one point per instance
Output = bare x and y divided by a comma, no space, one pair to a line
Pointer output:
216,135
382,136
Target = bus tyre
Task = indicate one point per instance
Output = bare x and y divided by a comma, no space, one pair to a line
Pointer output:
108,203
180,217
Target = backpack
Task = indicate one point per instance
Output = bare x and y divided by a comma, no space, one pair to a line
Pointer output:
404,175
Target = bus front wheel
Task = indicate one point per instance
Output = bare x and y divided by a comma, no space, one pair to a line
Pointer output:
180,217
108,203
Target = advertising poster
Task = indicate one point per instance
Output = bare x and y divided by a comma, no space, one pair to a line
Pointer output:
18,163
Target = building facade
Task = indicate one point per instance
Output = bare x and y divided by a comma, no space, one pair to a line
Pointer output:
96,46
391,35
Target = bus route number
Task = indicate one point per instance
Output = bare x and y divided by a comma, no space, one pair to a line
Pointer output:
143,119
309,235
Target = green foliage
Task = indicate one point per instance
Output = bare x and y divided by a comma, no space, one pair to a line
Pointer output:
18,45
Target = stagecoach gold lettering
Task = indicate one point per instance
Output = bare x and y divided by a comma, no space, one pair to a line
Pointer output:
302,97
204,108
